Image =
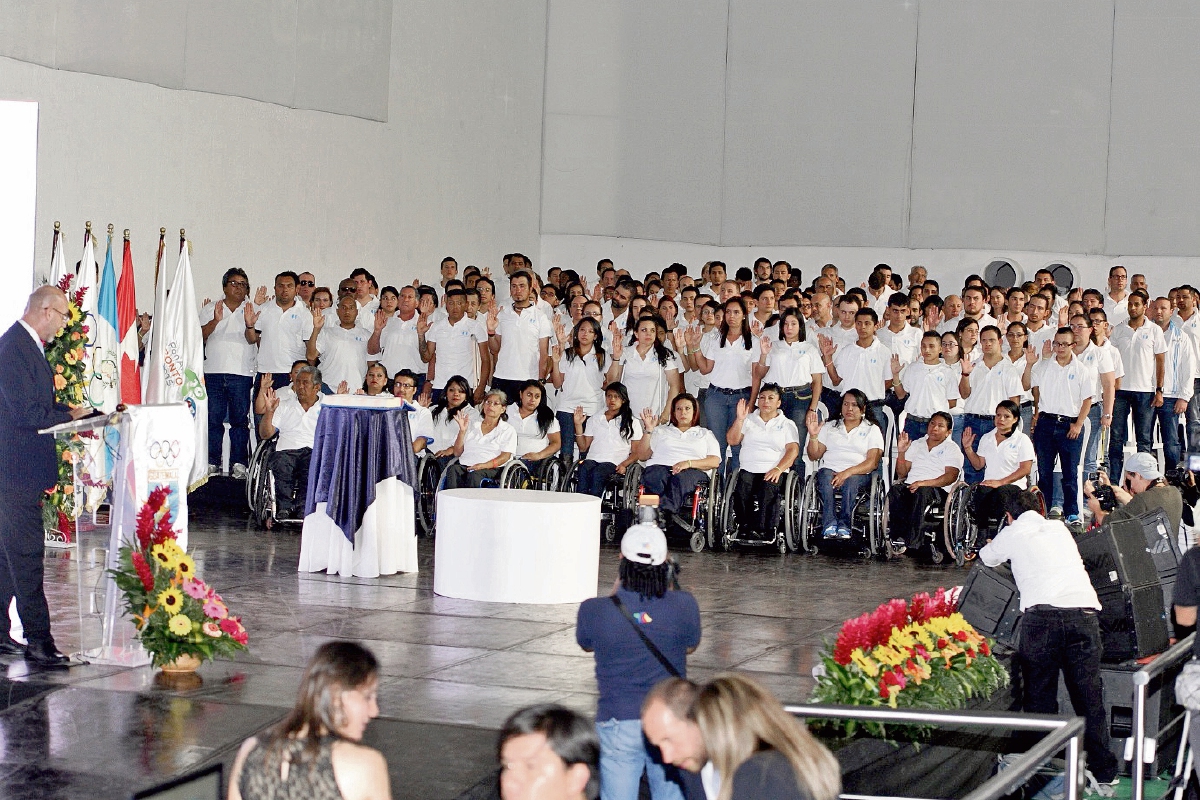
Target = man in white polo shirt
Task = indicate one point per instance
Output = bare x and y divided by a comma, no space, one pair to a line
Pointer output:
279,327
984,383
342,348
228,372
1116,301
396,340
1143,349
519,338
926,385
864,365
924,469
453,344
295,420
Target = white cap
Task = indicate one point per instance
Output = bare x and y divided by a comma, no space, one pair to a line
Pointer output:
644,544
1143,464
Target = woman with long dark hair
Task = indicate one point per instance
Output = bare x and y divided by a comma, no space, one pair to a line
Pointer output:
607,442
848,452
315,752
455,397
649,370
793,364
727,359
538,436
1017,338
578,374
678,454
1005,454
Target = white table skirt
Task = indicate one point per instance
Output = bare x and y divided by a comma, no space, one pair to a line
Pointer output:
384,545
516,546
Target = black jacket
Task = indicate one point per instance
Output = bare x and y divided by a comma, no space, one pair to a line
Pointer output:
27,459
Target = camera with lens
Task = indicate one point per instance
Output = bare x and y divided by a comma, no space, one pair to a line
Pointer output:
1105,496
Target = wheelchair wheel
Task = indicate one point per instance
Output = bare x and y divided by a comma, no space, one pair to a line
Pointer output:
633,486
429,477
728,516
570,482
554,475
877,518
958,526
885,527
791,514
258,463
515,475
1041,499
808,517
264,496
707,512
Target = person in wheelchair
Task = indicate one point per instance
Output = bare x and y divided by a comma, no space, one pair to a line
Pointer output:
443,415
679,454
848,452
924,469
610,442
295,420
770,445
538,435
420,421
1005,455
376,383
482,446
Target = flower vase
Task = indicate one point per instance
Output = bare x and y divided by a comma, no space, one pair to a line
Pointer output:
183,664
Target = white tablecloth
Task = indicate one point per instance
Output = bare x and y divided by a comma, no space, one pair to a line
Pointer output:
516,546
385,544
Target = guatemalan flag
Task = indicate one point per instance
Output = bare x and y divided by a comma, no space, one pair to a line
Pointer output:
127,338
104,379
58,262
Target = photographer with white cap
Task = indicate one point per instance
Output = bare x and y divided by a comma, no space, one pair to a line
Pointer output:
1144,490
641,634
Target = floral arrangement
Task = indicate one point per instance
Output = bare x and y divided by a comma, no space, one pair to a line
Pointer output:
919,654
176,613
66,356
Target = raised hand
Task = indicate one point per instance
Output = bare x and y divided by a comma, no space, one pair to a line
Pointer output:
493,320
487,272
1030,353
143,323
423,324
556,352
813,423
1047,349
318,320
416,284
272,399
765,345
251,315
343,388
265,383
462,419
680,337
583,283
260,295
578,415
756,327
968,438
828,348
743,408
896,364
597,293
694,337
381,319
968,366
218,310
902,442
426,395
649,420
560,331
618,347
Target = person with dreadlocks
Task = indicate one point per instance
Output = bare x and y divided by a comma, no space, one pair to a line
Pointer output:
641,634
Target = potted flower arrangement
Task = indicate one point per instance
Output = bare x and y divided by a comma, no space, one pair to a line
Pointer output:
65,353
916,654
180,620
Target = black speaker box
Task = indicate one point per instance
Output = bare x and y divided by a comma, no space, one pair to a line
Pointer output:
991,603
1133,623
1162,544
1116,555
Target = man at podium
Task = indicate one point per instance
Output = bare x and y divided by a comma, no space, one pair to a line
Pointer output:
28,467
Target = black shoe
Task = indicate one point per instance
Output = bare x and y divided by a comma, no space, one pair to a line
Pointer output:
45,654
10,648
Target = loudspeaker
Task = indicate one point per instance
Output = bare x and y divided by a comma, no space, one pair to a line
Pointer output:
1115,555
1133,623
991,603
1163,546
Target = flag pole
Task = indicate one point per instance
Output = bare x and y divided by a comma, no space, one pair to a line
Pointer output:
162,243
54,244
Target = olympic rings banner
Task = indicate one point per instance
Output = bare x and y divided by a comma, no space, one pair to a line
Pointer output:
158,446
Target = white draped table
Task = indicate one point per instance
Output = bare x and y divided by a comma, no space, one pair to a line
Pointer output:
516,546
385,544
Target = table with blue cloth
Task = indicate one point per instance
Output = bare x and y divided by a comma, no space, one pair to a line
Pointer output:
359,514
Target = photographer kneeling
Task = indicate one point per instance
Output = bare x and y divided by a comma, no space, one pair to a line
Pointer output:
1144,490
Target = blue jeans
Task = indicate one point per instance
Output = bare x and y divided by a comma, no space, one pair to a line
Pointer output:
672,490
1137,403
1168,424
1049,442
228,398
794,405
593,475
624,755
566,429
850,491
720,409
915,428
1091,451
979,425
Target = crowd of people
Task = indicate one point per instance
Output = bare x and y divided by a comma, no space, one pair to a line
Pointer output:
1000,387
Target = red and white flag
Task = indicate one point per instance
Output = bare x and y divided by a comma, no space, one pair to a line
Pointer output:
131,375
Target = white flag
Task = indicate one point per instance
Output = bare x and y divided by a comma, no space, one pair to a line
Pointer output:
175,367
150,382
87,279
58,262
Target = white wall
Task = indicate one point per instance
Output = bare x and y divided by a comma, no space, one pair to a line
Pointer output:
18,192
455,170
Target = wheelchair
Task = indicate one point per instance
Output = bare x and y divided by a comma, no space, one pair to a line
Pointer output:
260,484
429,476
697,520
513,475
933,525
868,524
549,474
964,533
785,536
617,503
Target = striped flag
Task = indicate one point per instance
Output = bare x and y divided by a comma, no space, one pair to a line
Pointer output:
58,263
104,380
127,348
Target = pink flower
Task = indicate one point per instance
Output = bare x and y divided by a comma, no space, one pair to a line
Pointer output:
241,637
215,609
230,625
196,588
211,629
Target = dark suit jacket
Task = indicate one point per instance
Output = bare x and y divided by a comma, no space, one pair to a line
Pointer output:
27,459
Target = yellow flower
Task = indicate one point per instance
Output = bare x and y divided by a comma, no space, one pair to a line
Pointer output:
180,625
60,383
185,567
867,665
171,600
165,555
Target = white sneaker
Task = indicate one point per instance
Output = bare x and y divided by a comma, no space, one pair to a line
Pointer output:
214,469
239,472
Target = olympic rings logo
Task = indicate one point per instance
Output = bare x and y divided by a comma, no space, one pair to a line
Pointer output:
166,451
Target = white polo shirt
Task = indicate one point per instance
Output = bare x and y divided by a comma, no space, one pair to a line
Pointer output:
929,464
1192,328
420,424
1062,390
399,346
763,441
297,427
445,428
282,334
1116,310
583,384
990,386
731,363
1099,359
366,312
669,445
1045,560
608,445
864,368
842,337
906,343
793,364
1040,337
929,388
227,352
529,437
520,333
479,447
1003,458
1138,349
646,379
1179,365
343,355
950,325
846,449
457,348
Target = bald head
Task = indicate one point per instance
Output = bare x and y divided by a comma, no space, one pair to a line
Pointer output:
46,311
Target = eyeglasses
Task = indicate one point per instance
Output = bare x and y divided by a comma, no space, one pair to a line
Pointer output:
407,385
1062,344
66,315
243,284
302,283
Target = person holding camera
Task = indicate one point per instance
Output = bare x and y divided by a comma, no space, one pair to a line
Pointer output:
1144,490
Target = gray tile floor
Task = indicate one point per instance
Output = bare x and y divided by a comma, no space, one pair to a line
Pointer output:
452,669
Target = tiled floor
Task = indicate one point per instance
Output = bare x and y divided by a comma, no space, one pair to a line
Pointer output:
452,669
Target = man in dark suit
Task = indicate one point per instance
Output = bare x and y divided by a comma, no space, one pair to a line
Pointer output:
28,467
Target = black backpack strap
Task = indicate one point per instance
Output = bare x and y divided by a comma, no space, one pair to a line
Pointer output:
654,651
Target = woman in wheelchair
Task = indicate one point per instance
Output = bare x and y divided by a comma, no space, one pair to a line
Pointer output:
482,446
848,452
770,445
924,469
611,442
679,454
538,437
443,414
1005,455
376,383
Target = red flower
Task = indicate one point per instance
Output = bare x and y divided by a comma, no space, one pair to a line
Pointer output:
941,644
960,636
853,635
891,678
230,625
985,648
143,570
